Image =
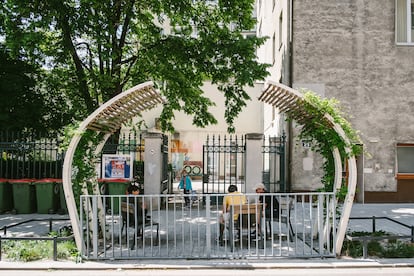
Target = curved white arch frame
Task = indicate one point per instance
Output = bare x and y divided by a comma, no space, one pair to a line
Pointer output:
107,119
289,100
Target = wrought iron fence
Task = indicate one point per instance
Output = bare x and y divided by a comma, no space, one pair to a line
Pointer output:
29,156
34,156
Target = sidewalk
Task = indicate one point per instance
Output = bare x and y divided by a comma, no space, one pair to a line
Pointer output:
403,213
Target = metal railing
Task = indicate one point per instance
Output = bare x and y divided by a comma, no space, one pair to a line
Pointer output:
55,239
302,228
365,239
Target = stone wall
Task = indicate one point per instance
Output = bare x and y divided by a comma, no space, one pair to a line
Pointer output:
348,47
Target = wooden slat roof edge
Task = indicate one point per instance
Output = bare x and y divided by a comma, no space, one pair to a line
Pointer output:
107,112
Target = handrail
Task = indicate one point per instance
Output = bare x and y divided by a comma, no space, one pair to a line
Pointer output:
54,239
374,218
5,227
366,239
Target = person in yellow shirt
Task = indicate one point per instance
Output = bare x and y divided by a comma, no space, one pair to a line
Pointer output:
232,198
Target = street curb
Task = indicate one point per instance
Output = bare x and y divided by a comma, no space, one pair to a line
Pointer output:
216,264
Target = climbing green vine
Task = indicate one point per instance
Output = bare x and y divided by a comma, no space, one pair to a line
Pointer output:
84,159
324,138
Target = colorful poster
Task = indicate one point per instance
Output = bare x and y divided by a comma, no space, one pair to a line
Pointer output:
117,166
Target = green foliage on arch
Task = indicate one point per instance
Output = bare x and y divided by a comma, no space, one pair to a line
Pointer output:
323,137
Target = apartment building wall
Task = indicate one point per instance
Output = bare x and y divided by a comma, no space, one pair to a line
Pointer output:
347,49
272,22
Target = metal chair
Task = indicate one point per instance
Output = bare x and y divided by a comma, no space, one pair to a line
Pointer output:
134,217
243,217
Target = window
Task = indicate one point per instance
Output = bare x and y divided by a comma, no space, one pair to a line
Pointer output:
404,22
405,160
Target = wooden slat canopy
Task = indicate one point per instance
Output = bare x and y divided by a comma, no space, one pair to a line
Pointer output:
107,119
292,102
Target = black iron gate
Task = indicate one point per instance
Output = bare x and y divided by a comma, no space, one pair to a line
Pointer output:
223,164
274,169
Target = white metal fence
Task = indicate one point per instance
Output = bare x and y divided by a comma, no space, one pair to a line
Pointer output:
303,227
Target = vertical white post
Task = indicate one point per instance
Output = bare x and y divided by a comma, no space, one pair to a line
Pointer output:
254,163
153,165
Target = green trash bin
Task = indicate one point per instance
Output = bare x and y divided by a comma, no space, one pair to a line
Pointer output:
6,199
24,195
47,195
116,187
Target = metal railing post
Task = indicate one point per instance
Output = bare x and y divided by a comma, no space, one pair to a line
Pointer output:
55,248
373,224
95,226
365,248
208,228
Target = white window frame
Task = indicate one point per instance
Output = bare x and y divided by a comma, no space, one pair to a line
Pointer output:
409,25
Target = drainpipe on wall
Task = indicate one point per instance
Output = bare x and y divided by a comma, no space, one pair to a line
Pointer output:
290,83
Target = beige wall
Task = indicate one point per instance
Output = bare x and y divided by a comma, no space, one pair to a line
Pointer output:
188,140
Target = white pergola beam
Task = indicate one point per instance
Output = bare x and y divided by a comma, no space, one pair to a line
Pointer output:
291,101
107,119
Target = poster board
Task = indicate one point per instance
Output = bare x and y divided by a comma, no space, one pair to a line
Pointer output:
117,166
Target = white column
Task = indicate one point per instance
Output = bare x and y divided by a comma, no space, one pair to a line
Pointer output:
153,165
254,160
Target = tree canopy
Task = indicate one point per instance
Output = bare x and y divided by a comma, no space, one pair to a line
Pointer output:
24,107
91,50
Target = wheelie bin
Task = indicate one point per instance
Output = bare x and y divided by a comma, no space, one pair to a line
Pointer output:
6,199
115,187
24,195
47,195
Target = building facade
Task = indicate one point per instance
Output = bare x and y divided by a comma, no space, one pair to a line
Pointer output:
186,143
361,53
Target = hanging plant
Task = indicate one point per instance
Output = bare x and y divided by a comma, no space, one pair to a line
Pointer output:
319,131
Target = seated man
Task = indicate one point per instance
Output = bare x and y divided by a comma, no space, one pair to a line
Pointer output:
271,204
139,203
233,198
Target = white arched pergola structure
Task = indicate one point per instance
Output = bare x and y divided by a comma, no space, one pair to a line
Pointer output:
290,101
107,119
